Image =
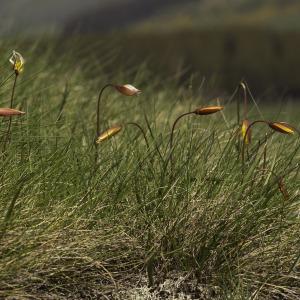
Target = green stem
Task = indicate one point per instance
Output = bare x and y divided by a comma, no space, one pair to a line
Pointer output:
244,140
98,121
98,106
174,125
172,135
142,131
11,106
245,101
153,138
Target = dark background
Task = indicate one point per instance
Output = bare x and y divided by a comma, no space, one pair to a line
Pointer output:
221,41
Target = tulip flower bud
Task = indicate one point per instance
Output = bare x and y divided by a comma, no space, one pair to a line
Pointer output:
127,90
17,61
8,112
208,110
282,127
108,134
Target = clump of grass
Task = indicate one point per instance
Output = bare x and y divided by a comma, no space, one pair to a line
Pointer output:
70,231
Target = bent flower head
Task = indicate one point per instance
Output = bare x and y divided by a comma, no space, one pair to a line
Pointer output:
108,134
128,90
8,112
282,127
17,61
208,110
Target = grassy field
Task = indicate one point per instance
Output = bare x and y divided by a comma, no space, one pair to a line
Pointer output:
72,227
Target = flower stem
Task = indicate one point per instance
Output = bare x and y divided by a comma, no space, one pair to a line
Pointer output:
172,133
11,106
244,140
98,107
245,101
142,131
174,125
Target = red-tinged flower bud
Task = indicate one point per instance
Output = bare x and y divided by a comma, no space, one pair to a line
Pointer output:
8,112
127,90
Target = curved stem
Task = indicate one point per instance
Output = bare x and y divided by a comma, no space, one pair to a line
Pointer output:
173,127
13,91
98,106
172,136
245,101
281,186
142,131
244,140
153,138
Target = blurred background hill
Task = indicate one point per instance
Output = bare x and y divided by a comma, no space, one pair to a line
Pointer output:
145,15
219,40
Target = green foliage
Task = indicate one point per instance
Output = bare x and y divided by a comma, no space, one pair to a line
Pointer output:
71,228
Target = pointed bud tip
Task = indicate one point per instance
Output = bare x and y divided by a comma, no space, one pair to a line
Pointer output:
7,112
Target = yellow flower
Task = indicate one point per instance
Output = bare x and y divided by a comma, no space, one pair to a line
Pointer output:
127,90
17,61
108,134
245,126
282,127
208,110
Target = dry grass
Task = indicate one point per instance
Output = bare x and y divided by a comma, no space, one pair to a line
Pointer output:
76,231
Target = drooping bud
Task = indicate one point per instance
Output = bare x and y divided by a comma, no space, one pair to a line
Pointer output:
208,110
108,134
282,127
8,112
127,90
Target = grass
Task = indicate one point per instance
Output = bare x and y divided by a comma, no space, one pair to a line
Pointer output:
73,230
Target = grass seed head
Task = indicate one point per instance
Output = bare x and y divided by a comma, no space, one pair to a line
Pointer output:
282,127
108,133
245,126
17,61
8,112
128,90
208,110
